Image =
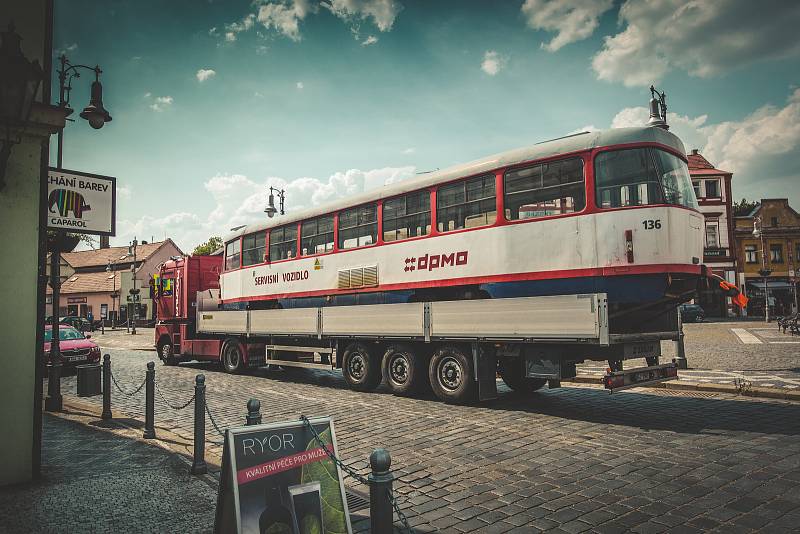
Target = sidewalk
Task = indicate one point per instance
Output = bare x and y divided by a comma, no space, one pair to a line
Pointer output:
98,481
121,339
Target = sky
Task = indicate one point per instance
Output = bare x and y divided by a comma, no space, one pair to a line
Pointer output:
214,101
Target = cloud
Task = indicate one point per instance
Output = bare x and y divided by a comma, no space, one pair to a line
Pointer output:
299,85
124,192
572,20
382,12
702,38
284,18
409,150
493,62
371,40
205,74
762,149
66,48
235,28
160,103
239,200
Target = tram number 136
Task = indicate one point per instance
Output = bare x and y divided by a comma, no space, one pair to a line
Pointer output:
652,224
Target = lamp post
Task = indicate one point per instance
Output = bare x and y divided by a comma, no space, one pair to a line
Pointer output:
758,233
271,210
134,291
114,294
97,116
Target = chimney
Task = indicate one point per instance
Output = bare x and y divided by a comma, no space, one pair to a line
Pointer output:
104,241
695,152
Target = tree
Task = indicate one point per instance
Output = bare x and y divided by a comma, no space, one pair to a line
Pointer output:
743,207
205,249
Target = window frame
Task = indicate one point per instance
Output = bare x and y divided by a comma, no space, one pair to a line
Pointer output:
776,253
747,254
296,242
377,204
238,240
587,192
715,181
489,176
332,232
382,218
265,247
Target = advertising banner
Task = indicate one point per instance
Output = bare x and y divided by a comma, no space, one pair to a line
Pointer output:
81,203
277,479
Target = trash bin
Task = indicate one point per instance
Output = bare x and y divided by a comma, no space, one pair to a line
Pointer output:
89,380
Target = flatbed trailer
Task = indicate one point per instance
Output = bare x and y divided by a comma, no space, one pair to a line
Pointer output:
455,347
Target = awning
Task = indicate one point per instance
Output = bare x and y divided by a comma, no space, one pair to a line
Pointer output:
773,286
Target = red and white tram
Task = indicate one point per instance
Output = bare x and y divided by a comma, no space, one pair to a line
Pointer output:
608,214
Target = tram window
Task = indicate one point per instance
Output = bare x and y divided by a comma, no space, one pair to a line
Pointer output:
466,204
283,242
552,188
358,227
640,177
407,216
232,255
253,248
316,236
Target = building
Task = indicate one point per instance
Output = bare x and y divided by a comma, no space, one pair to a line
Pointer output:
98,282
777,249
23,183
712,187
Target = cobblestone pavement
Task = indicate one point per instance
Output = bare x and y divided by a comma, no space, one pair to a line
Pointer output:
122,339
566,460
94,481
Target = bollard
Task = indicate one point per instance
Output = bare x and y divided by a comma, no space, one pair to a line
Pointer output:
253,413
380,488
199,466
150,402
680,351
106,388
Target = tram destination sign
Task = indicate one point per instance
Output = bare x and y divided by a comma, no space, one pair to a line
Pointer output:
81,203
277,478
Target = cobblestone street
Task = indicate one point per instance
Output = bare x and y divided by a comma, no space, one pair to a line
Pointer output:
572,459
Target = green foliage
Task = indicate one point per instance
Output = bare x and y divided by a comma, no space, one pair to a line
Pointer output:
205,249
743,207
325,472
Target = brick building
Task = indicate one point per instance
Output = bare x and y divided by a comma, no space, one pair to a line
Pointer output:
712,187
780,227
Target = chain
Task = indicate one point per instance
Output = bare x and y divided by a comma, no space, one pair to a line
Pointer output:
213,422
400,515
344,467
177,408
137,390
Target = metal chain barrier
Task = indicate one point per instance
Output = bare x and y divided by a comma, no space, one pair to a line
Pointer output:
355,475
215,425
176,408
129,394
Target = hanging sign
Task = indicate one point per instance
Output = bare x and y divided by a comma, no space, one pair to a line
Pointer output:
81,203
277,478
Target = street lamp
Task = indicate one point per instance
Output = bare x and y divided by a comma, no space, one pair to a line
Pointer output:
97,116
271,210
758,233
114,294
19,83
134,292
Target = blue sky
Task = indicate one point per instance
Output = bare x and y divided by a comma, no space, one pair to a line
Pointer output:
214,101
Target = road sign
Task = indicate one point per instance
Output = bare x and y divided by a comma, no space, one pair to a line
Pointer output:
133,298
277,478
80,202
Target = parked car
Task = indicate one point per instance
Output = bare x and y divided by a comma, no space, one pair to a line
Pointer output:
75,346
692,313
80,323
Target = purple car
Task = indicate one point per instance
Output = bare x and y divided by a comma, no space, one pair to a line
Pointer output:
75,347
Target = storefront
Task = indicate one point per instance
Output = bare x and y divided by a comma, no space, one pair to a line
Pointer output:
781,292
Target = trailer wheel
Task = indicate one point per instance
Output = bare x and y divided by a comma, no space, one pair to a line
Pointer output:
165,351
404,369
451,375
512,373
232,359
361,367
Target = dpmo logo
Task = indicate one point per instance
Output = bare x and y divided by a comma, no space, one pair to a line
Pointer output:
430,262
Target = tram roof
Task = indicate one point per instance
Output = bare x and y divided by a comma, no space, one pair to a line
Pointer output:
545,149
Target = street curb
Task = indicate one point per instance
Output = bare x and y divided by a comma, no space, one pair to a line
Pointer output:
165,438
752,391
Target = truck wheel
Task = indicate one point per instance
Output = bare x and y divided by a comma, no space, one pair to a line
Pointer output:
451,375
513,374
165,352
404,369
361,367
232,360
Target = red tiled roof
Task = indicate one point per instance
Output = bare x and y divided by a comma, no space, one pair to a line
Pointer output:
101,282
101,257
698,165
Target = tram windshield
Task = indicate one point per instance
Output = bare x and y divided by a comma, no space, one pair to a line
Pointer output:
640,177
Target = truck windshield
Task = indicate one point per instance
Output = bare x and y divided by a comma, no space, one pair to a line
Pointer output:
640,177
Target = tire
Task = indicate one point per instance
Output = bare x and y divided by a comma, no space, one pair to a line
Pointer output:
361,367
403,369
231,357
165,352
513,374
451,375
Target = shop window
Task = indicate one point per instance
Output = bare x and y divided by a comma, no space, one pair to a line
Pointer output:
232,255
253,248
466,204
407,216
316,236
358,227
283,242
